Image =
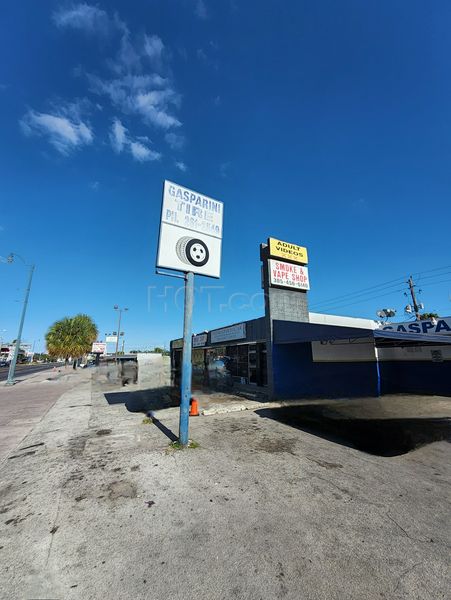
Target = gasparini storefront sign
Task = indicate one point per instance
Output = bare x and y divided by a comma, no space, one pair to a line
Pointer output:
190,231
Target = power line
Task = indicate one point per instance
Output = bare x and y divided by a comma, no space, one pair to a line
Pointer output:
433,276
335,307
379,287
401,290
435,282
363,291
431,270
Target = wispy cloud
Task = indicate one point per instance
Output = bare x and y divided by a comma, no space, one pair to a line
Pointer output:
141,84
63,127
121,140
175,141
201,55
94,185
181,166
142,153
200,9
135,79
360,205
207,57
224,169
153,47
83,17
118,136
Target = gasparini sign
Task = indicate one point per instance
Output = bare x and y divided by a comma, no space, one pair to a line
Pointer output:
190,231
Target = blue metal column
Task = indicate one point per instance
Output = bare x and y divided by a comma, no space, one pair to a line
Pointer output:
378,370
185,395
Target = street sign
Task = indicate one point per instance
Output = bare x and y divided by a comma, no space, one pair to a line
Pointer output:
190,231
99,347
287,251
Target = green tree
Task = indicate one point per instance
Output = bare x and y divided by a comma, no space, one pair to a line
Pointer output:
429,315
71,336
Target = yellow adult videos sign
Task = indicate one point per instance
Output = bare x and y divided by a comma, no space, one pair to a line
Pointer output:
288,251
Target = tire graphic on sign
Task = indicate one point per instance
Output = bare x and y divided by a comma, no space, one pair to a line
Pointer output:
192,251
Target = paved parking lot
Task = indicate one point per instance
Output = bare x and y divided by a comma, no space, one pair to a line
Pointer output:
262,509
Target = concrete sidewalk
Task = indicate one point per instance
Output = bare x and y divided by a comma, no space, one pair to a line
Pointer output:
95,505
23,405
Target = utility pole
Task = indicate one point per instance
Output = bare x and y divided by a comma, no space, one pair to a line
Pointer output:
416,308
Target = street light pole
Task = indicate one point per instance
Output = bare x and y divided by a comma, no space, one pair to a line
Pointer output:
116,307
12,366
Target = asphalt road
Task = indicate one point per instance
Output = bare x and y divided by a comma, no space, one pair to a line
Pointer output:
25,370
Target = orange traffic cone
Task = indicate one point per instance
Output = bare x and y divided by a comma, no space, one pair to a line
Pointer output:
194,408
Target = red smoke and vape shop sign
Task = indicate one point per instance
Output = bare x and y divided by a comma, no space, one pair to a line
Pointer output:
288,275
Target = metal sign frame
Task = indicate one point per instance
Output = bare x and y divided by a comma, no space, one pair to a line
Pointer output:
185,245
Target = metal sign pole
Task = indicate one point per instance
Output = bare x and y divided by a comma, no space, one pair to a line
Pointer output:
185,391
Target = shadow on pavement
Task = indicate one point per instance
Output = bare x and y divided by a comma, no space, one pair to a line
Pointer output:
144,400
167,432
382,437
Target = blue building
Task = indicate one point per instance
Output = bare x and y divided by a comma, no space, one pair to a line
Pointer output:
292,353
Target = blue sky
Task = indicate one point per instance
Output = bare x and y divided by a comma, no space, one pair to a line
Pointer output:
325,124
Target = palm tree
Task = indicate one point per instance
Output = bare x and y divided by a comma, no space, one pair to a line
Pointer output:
71,336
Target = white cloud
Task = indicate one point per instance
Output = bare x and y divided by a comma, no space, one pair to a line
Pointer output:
137,91
181,165
64,133
200,9
153,106
153,47
121,140
118,136
142,153
175,140
138,81
83,17
94,185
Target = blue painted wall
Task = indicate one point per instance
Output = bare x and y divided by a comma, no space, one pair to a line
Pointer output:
297,376
416,377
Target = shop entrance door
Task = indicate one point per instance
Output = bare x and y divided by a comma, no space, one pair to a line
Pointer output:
252,362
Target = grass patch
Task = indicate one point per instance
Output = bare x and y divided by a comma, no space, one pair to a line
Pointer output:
178,446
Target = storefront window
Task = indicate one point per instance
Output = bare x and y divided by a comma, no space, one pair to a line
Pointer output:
239,361
217,364
199,370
